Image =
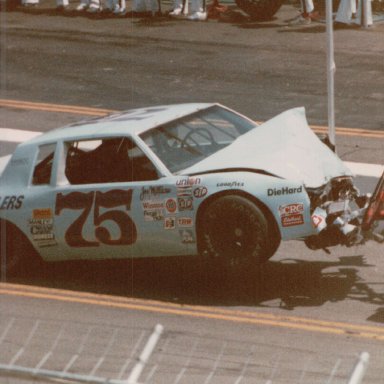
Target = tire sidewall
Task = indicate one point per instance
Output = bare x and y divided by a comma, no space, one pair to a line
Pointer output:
221,219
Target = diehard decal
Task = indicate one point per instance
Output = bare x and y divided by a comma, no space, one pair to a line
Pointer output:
291,214
283,191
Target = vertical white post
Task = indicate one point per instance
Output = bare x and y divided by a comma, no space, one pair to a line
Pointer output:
366,13
330,75
145,355
360,368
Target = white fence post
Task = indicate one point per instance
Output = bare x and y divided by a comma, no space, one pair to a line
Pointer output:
359,370
145,355
331,68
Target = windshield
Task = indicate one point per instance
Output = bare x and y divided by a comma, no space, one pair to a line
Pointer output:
187,141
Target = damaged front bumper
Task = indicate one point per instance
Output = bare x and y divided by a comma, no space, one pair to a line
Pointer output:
341,216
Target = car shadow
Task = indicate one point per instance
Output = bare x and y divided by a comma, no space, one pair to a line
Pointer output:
286,284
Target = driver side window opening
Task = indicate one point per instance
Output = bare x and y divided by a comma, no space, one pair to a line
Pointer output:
107,160
43,167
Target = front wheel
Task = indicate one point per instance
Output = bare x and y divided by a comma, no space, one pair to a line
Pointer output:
235,233
260,10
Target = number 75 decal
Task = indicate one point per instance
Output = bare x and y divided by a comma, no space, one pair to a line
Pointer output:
96,199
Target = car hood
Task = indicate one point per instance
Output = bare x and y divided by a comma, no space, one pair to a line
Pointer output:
284,146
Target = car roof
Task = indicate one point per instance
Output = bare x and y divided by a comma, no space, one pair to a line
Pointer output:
132,122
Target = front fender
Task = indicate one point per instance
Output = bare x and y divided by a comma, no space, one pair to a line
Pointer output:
287,201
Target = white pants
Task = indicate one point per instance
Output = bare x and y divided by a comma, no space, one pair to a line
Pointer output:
196,5
307,6
349,7
145,6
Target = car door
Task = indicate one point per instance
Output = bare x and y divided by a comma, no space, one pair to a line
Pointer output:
112,203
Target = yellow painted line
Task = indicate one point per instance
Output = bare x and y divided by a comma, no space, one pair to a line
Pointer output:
357,132
54,108
247,317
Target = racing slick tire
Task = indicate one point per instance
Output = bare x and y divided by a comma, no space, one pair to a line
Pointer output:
235,234
17,256
260,10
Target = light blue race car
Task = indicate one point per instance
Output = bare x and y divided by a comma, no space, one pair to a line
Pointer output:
187,179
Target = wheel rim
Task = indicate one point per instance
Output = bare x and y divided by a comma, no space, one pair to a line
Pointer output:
235,239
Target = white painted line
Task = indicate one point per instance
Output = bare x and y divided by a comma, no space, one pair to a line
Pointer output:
363,169
16,135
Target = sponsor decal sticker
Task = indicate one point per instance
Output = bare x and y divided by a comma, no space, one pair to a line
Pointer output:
200,192
153,210
41,227
169,223
188,181
148,205
316,220
231,184
153,191
184,191
11,202
185,203
291,214
153,215
284,191
171,205
185,222
187,236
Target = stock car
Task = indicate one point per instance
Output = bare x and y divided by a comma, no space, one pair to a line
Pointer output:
184,179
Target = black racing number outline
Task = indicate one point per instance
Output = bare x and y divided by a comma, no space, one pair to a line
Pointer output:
84,201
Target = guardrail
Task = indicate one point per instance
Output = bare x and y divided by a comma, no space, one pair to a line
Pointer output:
39,371
129,364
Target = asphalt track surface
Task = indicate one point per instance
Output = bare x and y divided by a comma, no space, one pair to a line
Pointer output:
307,315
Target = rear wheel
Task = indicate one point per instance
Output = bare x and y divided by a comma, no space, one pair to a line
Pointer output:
260,10
17,254
235,234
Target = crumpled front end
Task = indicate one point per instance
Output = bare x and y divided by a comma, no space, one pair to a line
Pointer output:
337,213
284,146
287,148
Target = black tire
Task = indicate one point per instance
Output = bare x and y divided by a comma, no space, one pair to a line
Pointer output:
17,256
260,10
235,234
